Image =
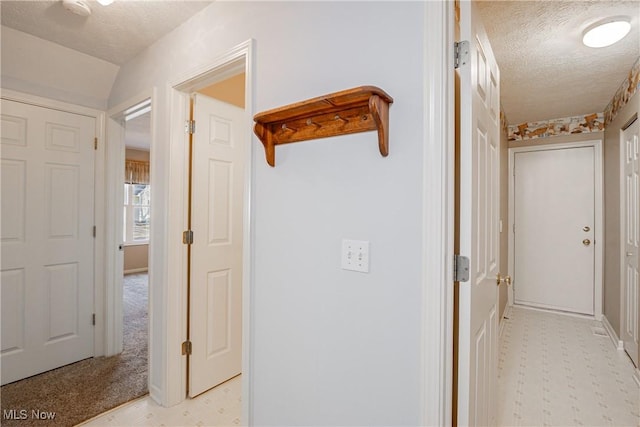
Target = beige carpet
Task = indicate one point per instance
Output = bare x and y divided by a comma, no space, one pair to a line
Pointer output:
87,388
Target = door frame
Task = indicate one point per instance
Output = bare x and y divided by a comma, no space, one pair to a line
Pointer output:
99,339
436,376
234,61
598,214
114,166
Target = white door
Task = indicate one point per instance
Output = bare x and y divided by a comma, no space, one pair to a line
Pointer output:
631,239
479,205
216,253
554,217
47,239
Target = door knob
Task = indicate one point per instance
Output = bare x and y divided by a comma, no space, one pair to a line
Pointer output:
586,228
586,242
500,279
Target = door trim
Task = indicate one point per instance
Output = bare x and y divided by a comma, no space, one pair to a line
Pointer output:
598,214
99,201
436,376
174,310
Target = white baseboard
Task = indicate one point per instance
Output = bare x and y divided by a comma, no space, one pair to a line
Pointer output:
618,344
136,270
507,313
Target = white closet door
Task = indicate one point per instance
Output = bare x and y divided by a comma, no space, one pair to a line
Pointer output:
46,239
631,240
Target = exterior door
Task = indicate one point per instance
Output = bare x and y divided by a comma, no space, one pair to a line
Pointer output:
479,205
631,239
46,239
216,260
554,217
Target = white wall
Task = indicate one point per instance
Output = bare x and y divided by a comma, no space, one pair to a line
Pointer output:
331,347
39,67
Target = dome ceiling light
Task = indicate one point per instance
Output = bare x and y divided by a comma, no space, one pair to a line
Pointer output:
606,32
79,7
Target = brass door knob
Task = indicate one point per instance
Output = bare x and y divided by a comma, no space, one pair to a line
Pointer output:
586,242
505,279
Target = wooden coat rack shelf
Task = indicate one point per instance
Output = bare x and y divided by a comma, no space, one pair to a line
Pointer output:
354,110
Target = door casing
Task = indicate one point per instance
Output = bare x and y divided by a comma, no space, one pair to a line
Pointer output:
598,224
236,60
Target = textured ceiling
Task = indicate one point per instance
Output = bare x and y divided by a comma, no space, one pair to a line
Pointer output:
114,33
546,72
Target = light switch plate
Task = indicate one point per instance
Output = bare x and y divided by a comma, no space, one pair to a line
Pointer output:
355,255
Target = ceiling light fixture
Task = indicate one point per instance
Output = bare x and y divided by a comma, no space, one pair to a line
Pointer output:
606,32
105,2
79,7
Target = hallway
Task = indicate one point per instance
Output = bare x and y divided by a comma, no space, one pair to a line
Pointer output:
560,370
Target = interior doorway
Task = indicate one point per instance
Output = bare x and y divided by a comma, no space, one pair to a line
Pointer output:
237,60
136,235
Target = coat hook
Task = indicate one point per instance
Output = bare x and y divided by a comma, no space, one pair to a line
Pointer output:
285,127
337,117
311,122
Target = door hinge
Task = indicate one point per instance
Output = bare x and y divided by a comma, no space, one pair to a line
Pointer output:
93,319
186,348
460,268
94,231
95,143
460,53
190,127
187,237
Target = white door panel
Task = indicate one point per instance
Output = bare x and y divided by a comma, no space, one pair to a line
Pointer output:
216,260
479,222
631,239
554,200
47,241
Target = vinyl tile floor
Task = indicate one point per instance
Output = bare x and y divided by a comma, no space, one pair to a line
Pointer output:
561,370
220,406
553,370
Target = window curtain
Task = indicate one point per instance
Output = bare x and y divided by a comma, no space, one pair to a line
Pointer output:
136,172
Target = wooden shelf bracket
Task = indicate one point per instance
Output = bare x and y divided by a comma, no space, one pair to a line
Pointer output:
360,109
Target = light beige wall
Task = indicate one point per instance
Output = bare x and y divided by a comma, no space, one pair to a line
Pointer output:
230,90
139,155
504,217
612,260
136,258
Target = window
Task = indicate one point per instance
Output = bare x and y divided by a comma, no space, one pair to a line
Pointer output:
137,198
